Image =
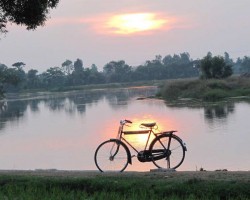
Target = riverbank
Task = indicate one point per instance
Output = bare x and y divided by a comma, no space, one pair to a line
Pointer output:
206,90
56,184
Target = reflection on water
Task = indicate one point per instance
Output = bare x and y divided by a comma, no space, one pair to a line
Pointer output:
70,102
62,130
212,111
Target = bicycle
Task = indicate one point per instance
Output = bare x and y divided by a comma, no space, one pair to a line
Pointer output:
166,150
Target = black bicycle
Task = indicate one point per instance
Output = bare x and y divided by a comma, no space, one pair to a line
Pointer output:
166,150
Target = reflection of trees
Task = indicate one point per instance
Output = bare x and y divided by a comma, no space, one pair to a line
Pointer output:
11,111
70,103
55,104
212,112
219,111
34,105
119,98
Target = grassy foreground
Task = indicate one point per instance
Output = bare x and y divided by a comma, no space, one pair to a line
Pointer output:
206,90
175,185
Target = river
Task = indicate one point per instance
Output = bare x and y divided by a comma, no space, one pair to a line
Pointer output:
62,130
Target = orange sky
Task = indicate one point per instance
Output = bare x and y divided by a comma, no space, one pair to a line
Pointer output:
135,31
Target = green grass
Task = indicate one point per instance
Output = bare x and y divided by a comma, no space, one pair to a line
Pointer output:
206,90
29,187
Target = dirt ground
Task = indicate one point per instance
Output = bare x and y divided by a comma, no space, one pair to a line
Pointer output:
174,175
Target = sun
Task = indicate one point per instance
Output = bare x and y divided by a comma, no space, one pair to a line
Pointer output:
134,23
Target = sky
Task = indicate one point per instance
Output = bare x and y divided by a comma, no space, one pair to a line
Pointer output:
135,31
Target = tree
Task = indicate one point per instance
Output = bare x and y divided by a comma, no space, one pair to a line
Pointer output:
245,65
67,67
29,13
32,78
78,65
7,76
117,71
21,73
54,77
19,65
215,67
77,77
94,68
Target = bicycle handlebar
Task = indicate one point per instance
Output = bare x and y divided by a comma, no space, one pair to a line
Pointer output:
123,122
128,121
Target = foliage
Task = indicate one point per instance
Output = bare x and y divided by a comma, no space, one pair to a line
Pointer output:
244,64
67,67
117,71
208,90
73,74
215,67
30,13
8,76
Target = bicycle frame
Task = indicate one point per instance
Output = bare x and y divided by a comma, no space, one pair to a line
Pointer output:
120,134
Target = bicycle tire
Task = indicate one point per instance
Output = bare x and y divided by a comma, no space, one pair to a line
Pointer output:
164,157
112,156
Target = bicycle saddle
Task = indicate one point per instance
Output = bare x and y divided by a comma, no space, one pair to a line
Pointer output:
150,125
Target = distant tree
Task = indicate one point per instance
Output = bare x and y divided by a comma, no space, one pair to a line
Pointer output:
215,67
94,68
67,67
30,13
158,58
117,71
55,77
227,59
78,76
7,76
21,75
167,60
32,78
180,66
78,65
19,65
245,65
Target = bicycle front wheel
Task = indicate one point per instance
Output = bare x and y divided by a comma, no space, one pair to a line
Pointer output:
167,151
111,156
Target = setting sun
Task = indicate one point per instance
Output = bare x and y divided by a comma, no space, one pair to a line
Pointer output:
133,23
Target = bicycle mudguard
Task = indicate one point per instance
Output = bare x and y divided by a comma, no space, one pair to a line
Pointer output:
126,148
173,135
183,143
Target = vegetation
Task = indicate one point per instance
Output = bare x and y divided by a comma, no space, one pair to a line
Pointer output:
74,75
207,90
120,187
31,13
8,76
216,67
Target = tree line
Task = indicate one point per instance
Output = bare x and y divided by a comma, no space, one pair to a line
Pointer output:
74,73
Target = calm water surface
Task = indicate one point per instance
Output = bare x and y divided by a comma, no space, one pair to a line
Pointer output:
62,131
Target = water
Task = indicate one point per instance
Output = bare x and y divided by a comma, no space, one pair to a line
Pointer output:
62,130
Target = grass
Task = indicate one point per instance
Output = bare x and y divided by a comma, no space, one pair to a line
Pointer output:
206,90
119,187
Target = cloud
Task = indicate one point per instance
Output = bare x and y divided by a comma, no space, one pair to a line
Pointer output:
123,23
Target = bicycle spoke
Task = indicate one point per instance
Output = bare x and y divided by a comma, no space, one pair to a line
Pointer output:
172,157
111,156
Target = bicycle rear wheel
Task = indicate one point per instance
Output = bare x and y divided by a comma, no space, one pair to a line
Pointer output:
111,155
167,151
